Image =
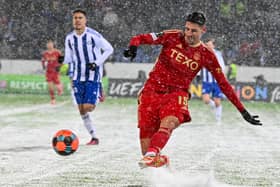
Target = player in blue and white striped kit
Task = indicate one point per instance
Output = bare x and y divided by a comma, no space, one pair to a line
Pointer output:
209,84
85,51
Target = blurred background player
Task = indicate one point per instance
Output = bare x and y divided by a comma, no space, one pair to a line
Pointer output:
163,101
51,65
232,72
210,86
85,51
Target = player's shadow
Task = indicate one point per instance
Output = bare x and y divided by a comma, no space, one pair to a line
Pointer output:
25,149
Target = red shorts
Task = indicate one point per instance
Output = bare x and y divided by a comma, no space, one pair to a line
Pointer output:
153,107
53,77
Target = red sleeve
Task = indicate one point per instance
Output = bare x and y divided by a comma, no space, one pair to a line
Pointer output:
213,66
153,38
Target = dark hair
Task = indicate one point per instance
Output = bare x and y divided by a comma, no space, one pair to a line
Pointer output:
79,11
50,40
196,17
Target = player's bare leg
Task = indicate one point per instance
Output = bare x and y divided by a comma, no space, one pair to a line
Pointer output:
152,157
215,104
208,101
51,92
85,108
84,111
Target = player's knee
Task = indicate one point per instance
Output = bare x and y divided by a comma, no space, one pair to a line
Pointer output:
170,122
89,107
206,99
82,111
85,108
92,107
217,102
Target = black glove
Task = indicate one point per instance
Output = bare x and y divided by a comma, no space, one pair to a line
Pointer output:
60,59
251,119
91,66
57,68
130,52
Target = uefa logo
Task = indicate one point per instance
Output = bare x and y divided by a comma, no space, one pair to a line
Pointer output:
275,96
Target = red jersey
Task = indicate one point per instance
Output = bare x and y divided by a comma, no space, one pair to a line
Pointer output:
50,60
178,64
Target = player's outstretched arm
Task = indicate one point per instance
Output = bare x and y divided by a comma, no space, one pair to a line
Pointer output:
229,92
216,70
149,39
135,41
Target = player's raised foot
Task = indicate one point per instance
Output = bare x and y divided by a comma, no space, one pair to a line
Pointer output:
93,141
154,161
53,102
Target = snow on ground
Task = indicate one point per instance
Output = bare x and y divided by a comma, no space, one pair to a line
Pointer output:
202,153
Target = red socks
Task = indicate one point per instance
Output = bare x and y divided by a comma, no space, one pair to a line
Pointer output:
159,139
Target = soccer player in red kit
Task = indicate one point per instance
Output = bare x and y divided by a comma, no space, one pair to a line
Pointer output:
51,65
163,101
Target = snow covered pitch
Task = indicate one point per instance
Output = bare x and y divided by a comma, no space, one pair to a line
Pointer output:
202,153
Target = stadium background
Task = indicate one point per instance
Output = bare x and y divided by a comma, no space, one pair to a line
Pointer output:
247,32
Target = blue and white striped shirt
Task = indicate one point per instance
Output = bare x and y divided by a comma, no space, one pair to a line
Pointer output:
86,48
206,75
